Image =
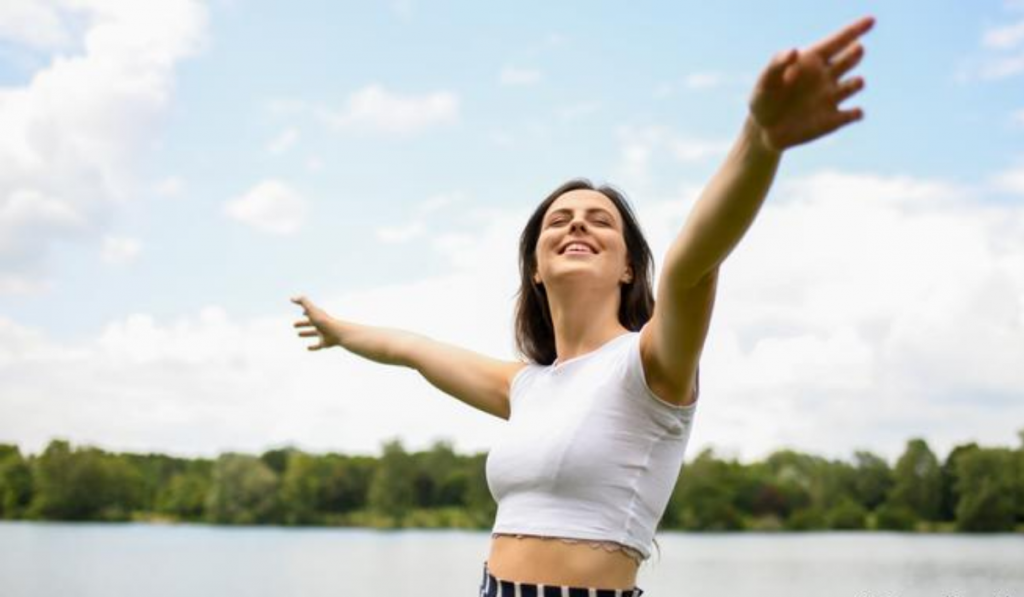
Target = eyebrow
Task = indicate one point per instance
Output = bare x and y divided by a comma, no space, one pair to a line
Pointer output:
566,210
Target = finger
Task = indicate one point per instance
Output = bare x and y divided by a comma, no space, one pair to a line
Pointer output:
302,301
305,323
848,88
309,334
842,118
774,74
846,60
839,40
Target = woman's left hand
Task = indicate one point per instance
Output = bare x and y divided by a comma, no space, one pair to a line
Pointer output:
796,98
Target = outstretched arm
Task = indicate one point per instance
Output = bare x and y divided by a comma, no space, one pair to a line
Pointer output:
796,100
478,380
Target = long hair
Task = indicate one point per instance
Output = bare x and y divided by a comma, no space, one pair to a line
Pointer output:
535,332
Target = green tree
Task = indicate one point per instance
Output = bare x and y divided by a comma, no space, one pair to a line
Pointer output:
303,488
438,481
873,481
847,514
478,498
84,484
392,492
986,487
15,482
347,482
705,495
918,479
894,517
948,501
184,495
243,491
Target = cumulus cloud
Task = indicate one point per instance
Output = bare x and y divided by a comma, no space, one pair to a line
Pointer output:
38,24
271,206
69,138
859,311
376,109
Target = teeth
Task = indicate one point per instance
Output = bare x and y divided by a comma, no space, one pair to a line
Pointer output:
578,248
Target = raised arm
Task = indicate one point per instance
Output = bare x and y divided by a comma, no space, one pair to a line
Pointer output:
480,381
796,100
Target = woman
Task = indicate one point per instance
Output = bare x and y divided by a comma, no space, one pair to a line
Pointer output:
600,415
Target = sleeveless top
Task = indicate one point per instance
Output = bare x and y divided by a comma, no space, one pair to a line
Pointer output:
589,453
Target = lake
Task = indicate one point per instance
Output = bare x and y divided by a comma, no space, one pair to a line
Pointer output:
145,560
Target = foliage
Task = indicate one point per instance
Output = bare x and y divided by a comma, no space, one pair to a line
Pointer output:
975,489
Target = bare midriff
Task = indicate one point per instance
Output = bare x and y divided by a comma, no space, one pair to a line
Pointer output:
553,561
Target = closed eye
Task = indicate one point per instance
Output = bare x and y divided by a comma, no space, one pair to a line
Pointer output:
562,221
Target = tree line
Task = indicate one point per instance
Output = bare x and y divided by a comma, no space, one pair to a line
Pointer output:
975,489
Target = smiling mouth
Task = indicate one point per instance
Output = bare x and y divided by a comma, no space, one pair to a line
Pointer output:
572,249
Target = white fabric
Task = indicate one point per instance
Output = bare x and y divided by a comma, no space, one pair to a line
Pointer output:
589,451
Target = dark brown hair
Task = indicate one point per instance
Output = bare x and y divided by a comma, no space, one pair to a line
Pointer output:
535,333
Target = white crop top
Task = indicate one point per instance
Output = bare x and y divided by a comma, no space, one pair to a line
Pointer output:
589,451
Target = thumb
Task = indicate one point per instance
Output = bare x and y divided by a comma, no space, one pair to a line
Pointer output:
774,75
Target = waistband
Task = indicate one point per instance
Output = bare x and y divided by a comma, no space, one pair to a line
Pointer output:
491,586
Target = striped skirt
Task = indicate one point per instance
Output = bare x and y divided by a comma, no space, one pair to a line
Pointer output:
496,587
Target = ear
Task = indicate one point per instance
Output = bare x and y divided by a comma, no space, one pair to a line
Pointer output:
628,277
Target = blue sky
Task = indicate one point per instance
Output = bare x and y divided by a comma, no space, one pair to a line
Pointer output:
176,170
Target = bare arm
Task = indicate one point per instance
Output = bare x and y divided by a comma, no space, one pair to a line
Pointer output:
477,380
796,100
724,211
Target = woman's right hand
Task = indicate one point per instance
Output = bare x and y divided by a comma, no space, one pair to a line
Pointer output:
324,326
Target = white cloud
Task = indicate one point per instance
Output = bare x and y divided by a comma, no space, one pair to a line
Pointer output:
271,206
704,80
285,106
1001,57
436,203
1010,180
377,109
859,311
35,23
171,186
1002,67
692,150
1004,37
284,141
70,138
120,250
698,81
400,234
640,147
511,76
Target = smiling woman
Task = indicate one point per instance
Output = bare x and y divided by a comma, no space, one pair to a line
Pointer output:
600,409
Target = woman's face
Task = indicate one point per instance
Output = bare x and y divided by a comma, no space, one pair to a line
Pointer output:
586,217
